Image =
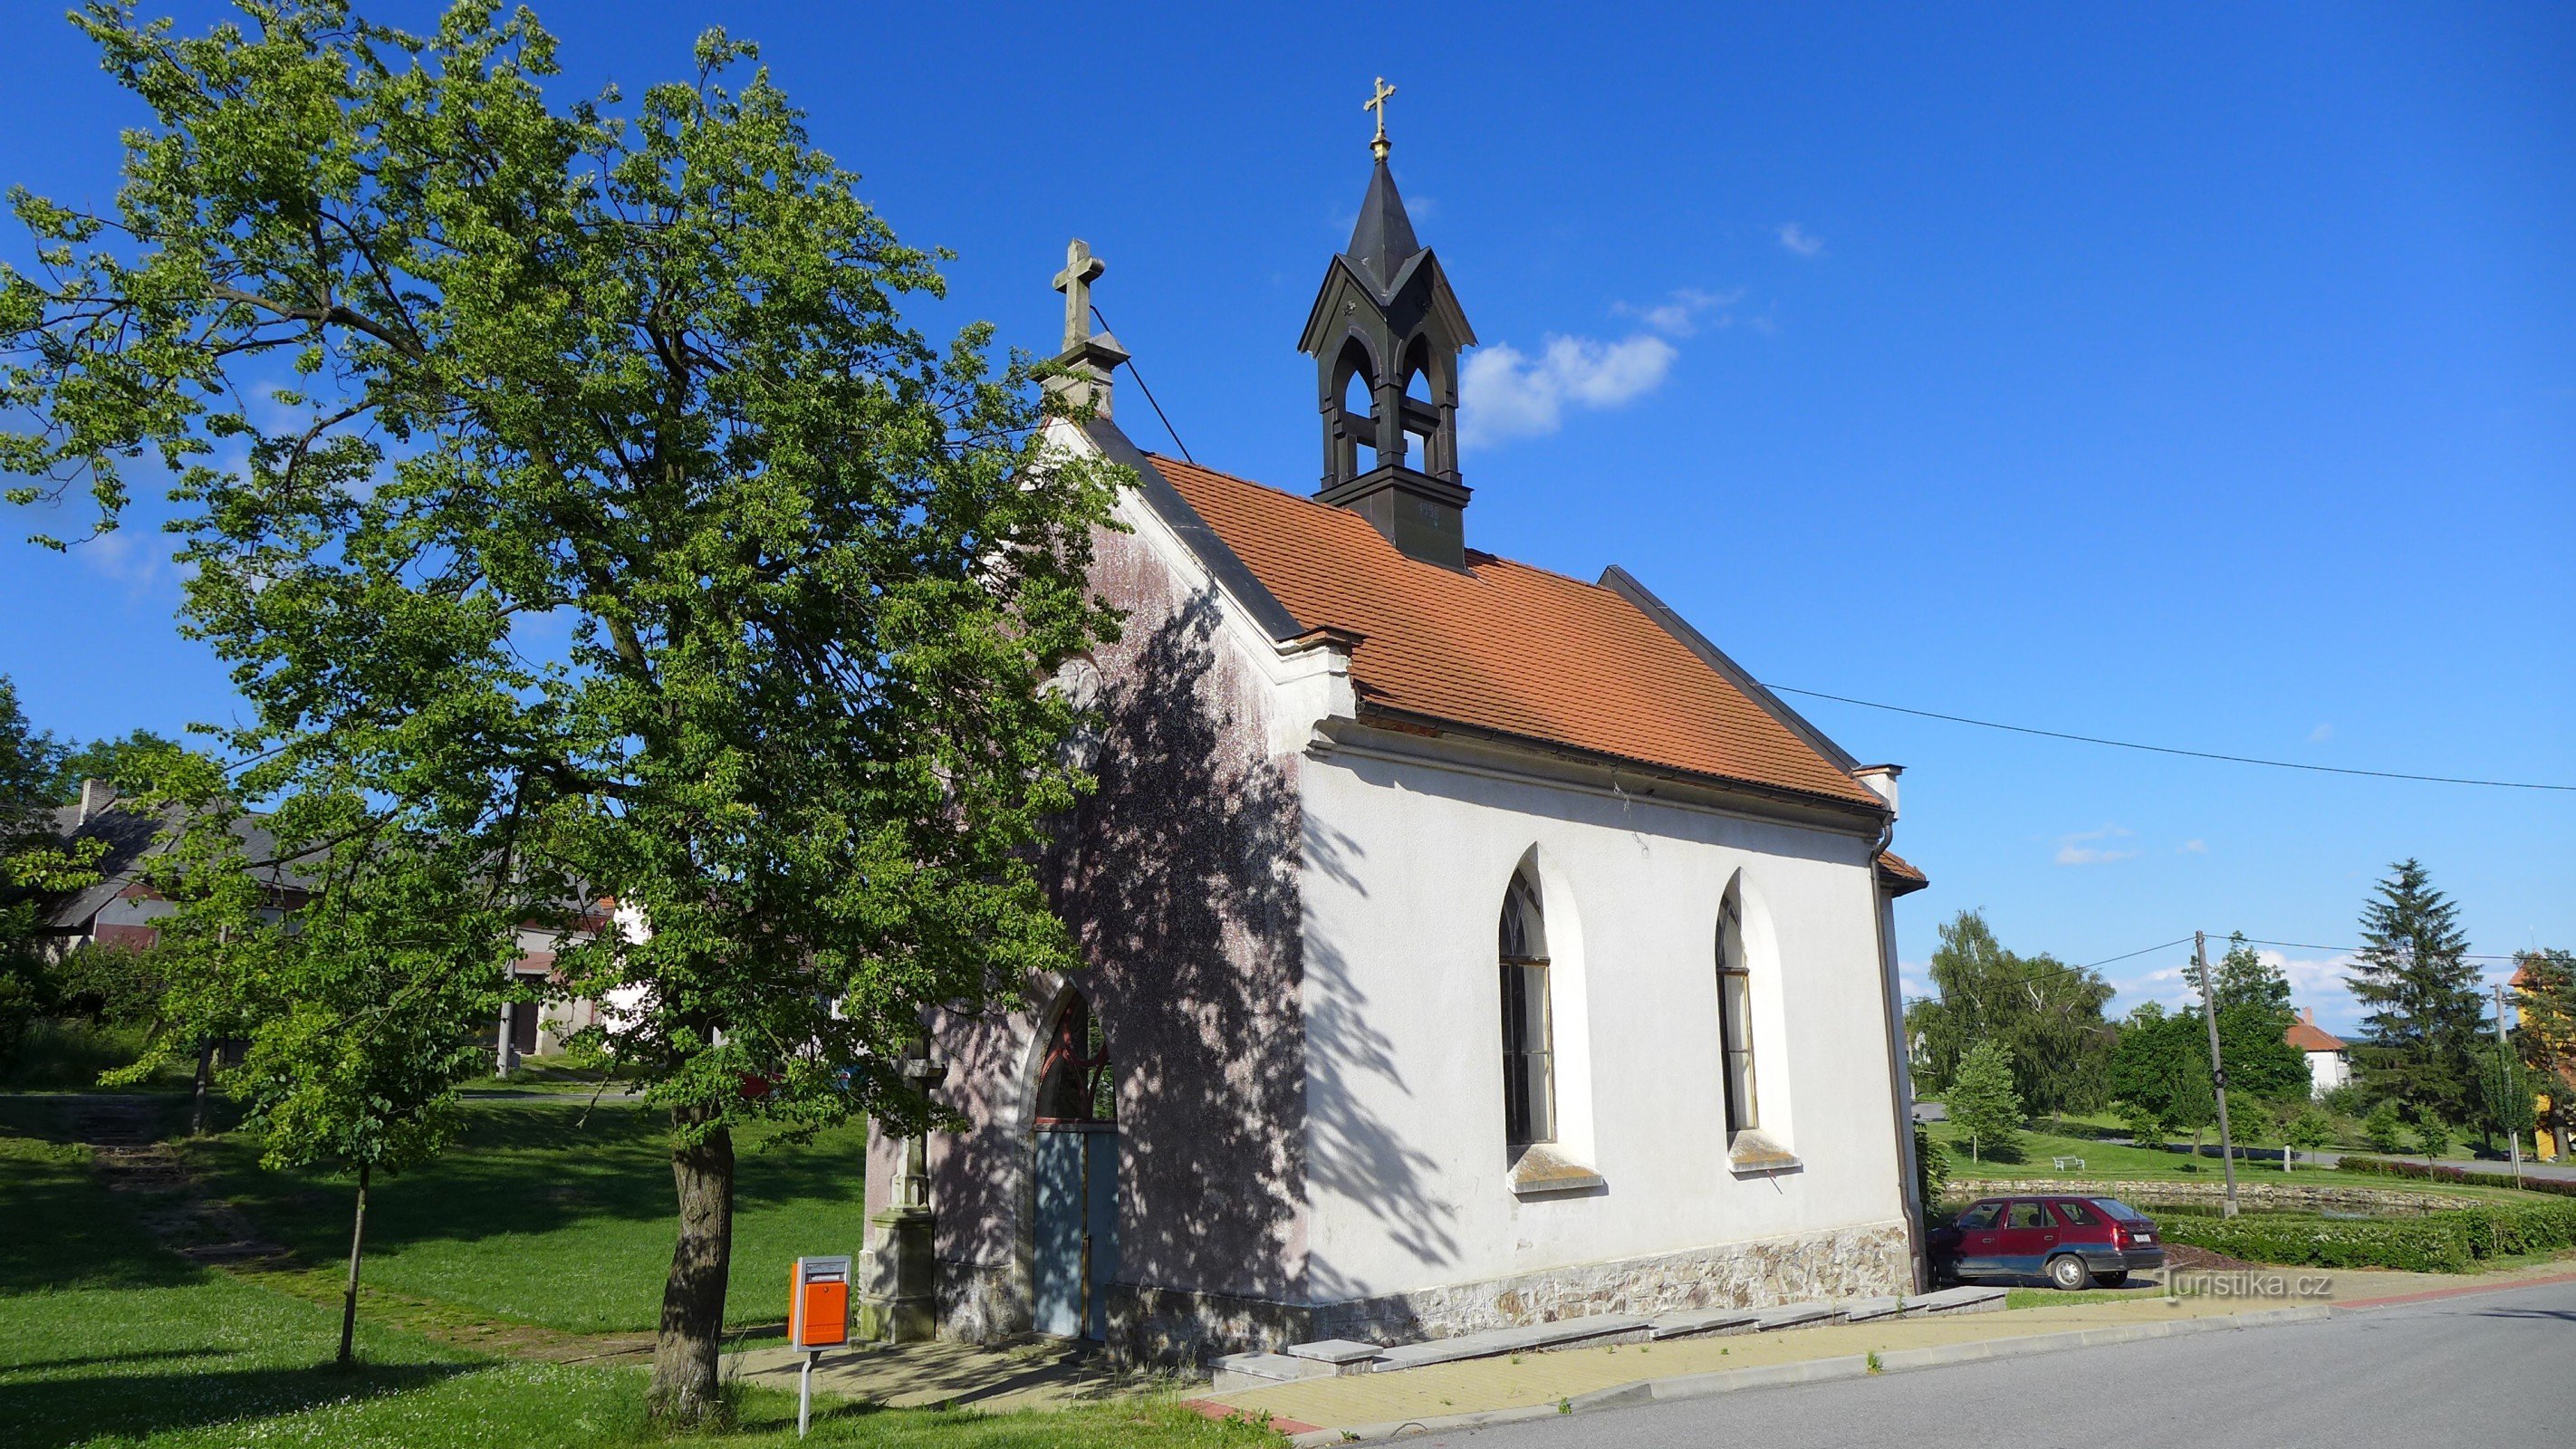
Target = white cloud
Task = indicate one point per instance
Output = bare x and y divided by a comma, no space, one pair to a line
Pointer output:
1798,239
2192,847
1506,393
1678,315
2321,734
2316,983
2073,850
127,559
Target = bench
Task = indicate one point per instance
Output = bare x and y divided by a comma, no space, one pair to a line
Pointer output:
2063,1163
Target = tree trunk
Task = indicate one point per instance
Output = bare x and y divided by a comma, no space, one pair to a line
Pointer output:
357,1247
205,1077
685,1392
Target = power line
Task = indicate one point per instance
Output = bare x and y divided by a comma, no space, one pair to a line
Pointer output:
2141,951
1149,395
2356,950
2164,749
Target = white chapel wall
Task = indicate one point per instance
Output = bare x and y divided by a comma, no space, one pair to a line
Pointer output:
1407,1179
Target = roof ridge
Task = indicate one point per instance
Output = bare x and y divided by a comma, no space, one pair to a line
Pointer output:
1576,580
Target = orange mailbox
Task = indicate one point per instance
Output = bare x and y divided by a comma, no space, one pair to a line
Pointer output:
818,1303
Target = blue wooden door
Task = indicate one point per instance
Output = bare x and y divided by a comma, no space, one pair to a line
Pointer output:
1076,1239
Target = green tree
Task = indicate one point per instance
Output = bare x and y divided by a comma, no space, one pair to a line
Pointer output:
2246,979
2160,1069
2424,1011
2308,1128
35,865
1984,1107
2544,1035
622,538
361,1008
2254,1018
2045,1015
125,763
1931,1168
2433,1137
2385,1129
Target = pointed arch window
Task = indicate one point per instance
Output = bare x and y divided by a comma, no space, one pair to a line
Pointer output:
1529,1057
1074,1080
1735,1019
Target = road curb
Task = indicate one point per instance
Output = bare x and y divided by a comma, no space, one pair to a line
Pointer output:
1811,1371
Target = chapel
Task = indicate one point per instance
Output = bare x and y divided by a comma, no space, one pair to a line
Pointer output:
1468,945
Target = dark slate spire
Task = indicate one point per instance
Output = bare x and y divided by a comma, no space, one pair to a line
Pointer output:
1385,333
1383,240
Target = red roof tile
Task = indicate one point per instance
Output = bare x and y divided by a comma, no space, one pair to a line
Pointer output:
2307,1036
1503,646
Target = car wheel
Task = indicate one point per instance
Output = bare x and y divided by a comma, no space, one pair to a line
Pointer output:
2068,1272
2111,1280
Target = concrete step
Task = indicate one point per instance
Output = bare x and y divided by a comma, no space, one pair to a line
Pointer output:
1265,1370
1346,1356
1701,1322
1794,1315
1533,1338
1955,1300
1862,1310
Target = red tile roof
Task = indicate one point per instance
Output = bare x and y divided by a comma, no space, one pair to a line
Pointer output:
1505,647
2307,1036
1908,877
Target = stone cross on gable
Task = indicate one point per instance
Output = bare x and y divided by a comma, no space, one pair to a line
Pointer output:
1081,269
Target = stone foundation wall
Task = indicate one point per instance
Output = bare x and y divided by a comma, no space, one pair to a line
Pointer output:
1855,1262
980,1302
1171,1328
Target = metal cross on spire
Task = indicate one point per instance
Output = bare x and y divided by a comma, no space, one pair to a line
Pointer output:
1081,269
1377,103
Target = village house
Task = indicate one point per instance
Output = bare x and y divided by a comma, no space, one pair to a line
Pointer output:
1470,945
2329,1059
124,909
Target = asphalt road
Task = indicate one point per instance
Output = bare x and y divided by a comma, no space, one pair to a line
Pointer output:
2490,1368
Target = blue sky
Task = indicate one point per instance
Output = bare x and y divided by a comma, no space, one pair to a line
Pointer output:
2205,377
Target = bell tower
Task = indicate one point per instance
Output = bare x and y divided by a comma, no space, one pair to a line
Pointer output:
1385,334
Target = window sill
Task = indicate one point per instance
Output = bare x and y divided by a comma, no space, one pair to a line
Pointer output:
1751,1152
1542,1171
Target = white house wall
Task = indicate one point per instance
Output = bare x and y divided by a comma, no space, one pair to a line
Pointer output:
1408,1185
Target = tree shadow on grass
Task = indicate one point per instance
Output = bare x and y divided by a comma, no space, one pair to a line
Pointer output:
527,1169
58,1413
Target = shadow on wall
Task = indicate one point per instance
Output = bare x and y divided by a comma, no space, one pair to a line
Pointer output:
1179,876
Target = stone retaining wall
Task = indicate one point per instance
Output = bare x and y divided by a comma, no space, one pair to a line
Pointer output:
2250,1192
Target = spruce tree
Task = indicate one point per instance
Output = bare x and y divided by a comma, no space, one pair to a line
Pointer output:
2423,1010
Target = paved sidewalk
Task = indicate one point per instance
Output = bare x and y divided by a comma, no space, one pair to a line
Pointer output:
1546,1380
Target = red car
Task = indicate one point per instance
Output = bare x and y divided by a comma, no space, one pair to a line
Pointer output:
2075,1241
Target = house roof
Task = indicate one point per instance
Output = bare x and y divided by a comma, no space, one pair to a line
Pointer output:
2307,1036
1504,647
133,837
1903,877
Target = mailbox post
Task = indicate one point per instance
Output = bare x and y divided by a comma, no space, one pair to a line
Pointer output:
818,1317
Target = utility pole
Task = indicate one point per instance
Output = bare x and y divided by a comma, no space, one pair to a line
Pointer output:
2504,1065
2217,1068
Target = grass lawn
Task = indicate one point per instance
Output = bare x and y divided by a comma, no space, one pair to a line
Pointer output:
2118,1162
107,1340
557,1213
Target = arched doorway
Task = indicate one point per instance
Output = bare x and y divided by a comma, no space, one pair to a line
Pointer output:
1074,1237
